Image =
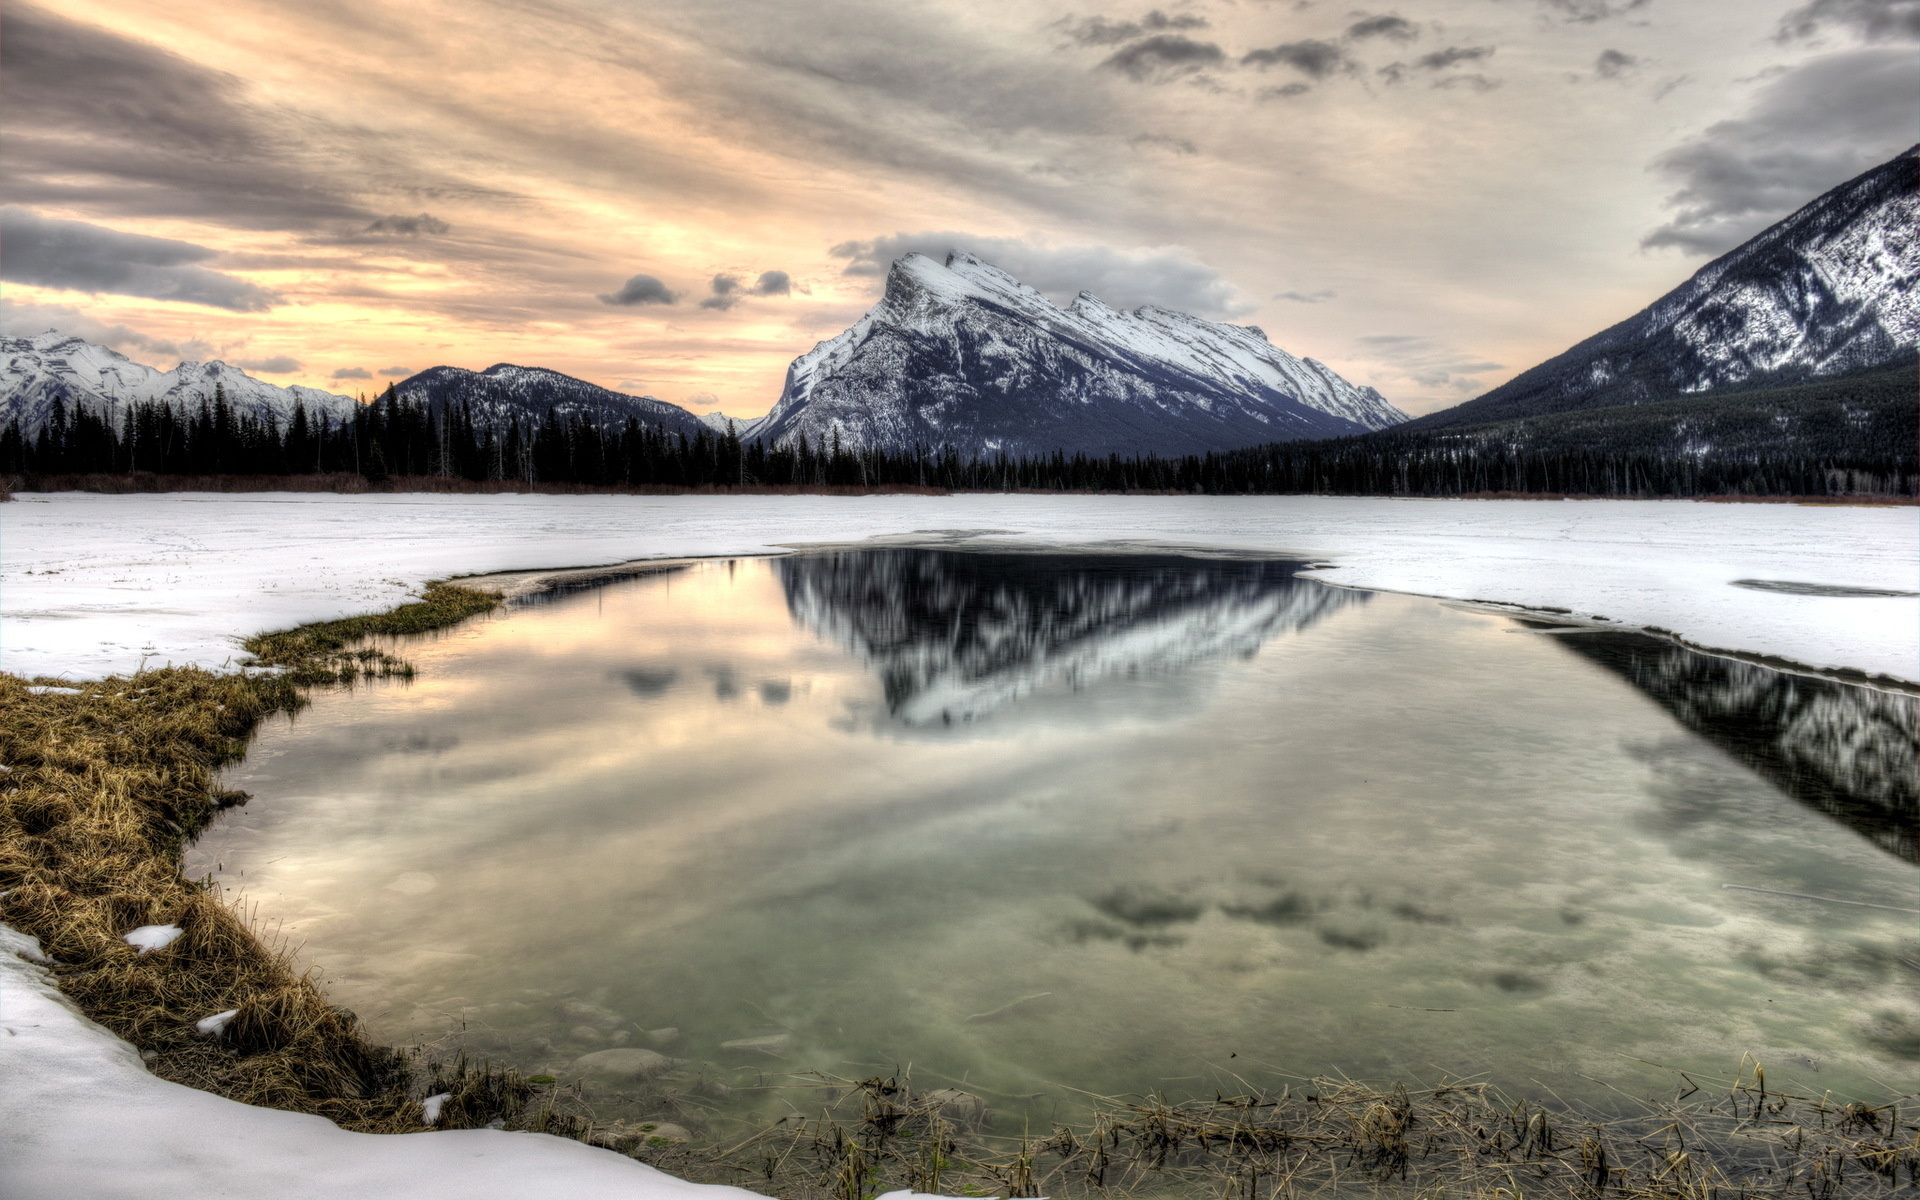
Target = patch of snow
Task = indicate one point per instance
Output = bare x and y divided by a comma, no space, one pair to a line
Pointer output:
431,1106
149,938
216,1024
180,578
81,1119
42,690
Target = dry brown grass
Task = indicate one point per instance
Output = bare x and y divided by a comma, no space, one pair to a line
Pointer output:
104,783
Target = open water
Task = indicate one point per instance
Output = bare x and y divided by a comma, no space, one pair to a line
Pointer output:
1043,824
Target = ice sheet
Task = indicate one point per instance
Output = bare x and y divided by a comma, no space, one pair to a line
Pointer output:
91,585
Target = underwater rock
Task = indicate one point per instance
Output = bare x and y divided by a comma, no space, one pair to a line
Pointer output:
774,1043
624,1063
582,1013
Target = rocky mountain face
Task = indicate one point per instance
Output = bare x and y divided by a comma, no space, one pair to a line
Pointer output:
1826,292
965,355
956,635
36,371
502,392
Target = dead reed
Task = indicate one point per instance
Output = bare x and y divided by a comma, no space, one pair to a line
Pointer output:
1732,1140
101,786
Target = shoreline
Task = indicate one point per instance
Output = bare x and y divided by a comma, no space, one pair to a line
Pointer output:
141,483
285,1019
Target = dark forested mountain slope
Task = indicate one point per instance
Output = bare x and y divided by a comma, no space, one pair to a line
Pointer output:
502,392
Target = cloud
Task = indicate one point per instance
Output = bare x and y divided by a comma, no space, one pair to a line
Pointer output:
725,293
351,373
279,364
1168,276
1306,297
1283,92
400,225
640,289
729,290
396,372
1870,20
93,258
1445,60
1805,131
1615,64
1393,28
27,319
1098,31
100,121
1164,56
1588,12
1161,141
1314,58
1429,362
1452,56
698,400
1473,83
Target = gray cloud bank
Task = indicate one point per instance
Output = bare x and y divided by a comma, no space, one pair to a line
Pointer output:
93,258
1805,131
1872,20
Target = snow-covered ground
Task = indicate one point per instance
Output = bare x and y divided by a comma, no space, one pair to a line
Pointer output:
81,1119
96,584
91,585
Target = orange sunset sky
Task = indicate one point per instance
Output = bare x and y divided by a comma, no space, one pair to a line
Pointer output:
1430,197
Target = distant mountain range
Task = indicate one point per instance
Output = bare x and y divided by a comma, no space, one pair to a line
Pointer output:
1793,343
36,371
1829,291
965,355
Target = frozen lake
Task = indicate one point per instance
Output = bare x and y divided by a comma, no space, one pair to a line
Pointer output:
1038,822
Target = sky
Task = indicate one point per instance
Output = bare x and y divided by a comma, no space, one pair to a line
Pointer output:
678,197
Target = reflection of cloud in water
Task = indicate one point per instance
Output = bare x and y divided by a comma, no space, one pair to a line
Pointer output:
955,635
648,681
1848,751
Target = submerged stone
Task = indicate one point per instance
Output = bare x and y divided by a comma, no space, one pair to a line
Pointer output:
774,1043
624,1063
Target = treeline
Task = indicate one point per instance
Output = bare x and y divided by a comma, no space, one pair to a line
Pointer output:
394,437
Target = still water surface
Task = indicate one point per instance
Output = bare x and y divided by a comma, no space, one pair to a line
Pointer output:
1052,822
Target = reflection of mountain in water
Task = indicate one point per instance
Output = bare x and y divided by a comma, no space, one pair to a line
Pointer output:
955,635
1851,752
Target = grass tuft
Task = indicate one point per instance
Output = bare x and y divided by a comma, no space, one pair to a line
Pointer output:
103,786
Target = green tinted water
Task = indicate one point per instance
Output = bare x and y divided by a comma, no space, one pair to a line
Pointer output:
1041,823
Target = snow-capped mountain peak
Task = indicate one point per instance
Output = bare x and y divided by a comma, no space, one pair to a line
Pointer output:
966,355
36,371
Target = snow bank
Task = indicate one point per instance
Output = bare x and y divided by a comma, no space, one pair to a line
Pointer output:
98,584
83,1120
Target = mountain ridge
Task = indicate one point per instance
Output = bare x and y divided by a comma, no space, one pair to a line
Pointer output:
506,390
965,355
36,371
1827,291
